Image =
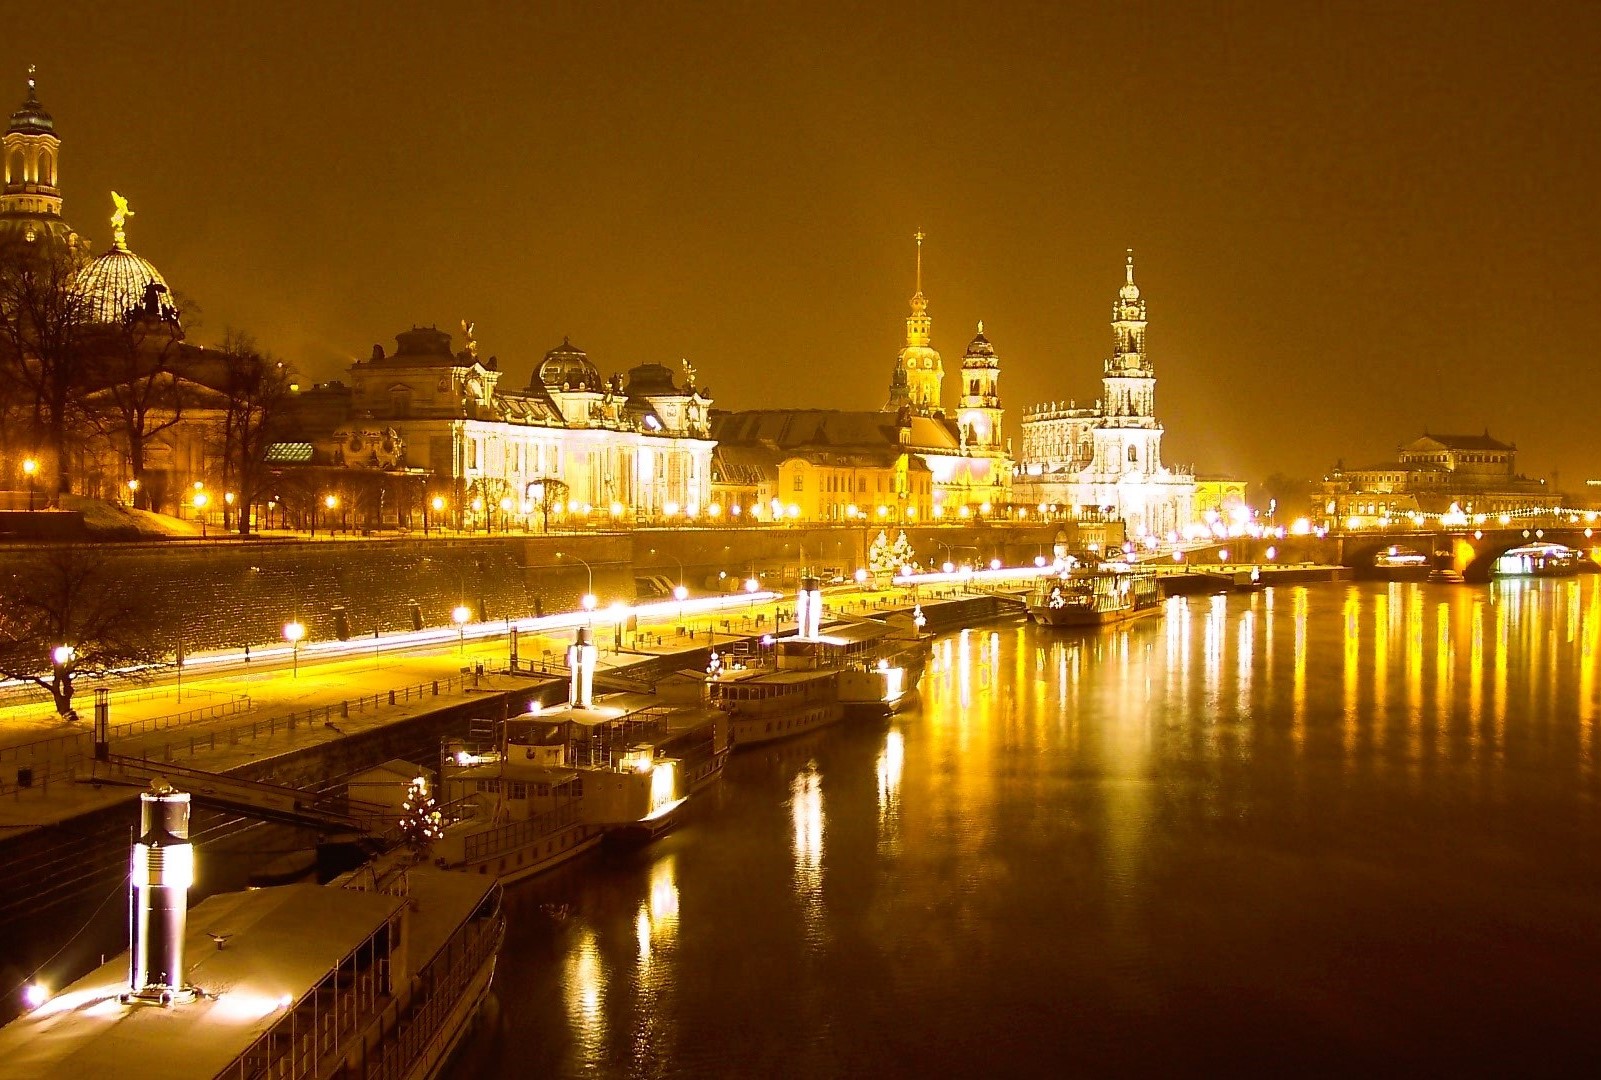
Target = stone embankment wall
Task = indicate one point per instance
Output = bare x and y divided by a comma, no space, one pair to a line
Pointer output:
229,594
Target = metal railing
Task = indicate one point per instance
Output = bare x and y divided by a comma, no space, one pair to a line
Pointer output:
57,759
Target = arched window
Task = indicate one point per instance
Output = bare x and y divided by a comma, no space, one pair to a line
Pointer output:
14,173
47,168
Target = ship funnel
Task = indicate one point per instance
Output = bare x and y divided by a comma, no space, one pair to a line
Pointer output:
812,619
581,659
162,871
803,608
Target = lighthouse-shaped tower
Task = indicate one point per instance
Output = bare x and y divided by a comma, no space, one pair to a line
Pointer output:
30,160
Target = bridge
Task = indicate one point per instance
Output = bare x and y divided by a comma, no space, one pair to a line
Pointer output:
1470,550
270,802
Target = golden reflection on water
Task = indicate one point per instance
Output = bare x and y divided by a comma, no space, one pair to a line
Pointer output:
656,923
1298,728
584,992
891,763
1351,670
806,813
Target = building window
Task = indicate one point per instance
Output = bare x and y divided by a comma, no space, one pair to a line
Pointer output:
800,482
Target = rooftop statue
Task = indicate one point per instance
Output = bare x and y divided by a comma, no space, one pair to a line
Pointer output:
119,217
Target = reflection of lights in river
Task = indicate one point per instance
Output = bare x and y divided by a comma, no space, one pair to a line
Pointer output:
891,762
806,812
657,920
1352,670
1299,727
585,984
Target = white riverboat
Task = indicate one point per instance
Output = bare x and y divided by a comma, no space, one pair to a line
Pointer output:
377,975
554,782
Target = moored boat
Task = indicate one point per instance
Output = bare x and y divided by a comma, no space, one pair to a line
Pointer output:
554,782
1096,597
378,974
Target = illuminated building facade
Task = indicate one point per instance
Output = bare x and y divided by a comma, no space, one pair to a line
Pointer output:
30,155
1434,474
818,465
569,444
1107,459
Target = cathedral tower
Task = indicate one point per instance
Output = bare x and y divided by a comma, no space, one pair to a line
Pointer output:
919,363
980,412
1129,382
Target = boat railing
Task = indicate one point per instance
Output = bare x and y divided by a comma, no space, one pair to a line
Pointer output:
443,984
493,842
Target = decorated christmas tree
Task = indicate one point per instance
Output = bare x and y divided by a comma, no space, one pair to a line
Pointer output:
901,555
421,823
879,557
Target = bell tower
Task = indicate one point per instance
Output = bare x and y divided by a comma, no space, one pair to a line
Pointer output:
1129,381
31,159
921,363
980,412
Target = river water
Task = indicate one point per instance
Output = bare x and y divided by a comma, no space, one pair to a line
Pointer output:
1313,829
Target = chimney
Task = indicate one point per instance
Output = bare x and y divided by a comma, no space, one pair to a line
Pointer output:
803,601
163,869
581,659
812,588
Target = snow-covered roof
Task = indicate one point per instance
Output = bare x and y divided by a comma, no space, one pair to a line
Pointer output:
280,943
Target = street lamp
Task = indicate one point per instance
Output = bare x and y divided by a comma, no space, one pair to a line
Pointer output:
681,594
588,601
461,615
293,632
332,503
30,466
133,491
439,505
201,499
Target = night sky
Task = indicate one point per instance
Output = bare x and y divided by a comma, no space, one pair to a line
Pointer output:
1352,222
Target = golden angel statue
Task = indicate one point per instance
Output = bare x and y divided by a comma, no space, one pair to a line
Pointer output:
119,217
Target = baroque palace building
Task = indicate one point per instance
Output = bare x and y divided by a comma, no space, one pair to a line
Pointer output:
571,444
1106,460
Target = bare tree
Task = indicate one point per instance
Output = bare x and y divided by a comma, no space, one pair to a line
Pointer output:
63,617
138,390
43,319
256,388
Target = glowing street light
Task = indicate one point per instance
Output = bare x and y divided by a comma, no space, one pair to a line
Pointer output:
200,501
30,468
861,575
35,995
293,632
462,615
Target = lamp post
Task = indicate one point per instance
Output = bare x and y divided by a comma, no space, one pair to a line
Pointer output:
133,492
293,632
30,467
438,505
588,601
460,616
200,500
332,503
61,658
681,594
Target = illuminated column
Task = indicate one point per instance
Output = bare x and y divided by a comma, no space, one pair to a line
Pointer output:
803,601
162,871
812,619
581,659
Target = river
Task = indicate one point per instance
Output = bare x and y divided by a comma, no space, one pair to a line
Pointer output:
1313,829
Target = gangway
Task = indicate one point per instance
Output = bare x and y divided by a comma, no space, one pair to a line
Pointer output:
256,798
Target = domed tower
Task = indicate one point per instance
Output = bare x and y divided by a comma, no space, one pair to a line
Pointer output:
30,155
919,362
980,413
1129,380
119,284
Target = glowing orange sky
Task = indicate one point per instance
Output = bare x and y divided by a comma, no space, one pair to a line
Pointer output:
1351,223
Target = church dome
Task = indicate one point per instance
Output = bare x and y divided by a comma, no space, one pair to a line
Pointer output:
120,282
568,367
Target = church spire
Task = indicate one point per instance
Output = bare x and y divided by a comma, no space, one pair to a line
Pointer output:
918,369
